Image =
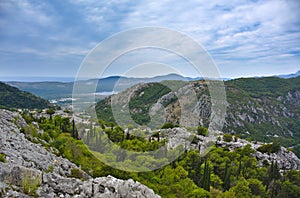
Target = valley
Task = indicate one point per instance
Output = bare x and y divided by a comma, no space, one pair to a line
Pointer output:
88,157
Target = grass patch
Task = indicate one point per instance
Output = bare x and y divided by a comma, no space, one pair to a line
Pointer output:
30,184
2,158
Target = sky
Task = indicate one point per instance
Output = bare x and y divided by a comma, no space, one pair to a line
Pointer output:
244,38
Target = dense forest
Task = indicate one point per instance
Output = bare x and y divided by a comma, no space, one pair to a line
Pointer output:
220,173
11,97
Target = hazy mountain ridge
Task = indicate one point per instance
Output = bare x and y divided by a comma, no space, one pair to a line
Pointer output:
56,89
296,74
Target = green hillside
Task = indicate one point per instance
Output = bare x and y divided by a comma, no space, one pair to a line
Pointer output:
11,97
262,109
219,174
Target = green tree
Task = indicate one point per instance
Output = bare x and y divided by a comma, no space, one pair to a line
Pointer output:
50,112
257,188
241,189
226,179
206,177
288,189
227,194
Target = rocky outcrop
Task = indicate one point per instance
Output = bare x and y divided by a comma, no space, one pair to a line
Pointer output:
31,170
108,187
286,159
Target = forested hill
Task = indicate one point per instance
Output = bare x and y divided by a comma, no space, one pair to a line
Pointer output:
260,109
11,97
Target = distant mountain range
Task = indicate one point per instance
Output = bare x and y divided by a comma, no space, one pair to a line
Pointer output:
12,97
290,75
56,90
259,108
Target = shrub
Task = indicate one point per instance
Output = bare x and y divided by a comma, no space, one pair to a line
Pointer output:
194,139
50,169
265,163
46,137
30,131
270,148
227,137
202,131
2,157
30,184
236,137
168,125
77,173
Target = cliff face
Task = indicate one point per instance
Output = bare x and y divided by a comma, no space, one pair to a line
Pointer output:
29,169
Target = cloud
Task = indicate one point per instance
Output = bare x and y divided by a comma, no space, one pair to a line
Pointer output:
20,16
239,32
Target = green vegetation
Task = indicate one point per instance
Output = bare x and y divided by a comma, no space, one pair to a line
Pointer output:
270,148
77,173
139,104
202,131
261,109
169,125
268,86
50,169
30,184
143,99
264,100
221,173
11,97
227,137
2,157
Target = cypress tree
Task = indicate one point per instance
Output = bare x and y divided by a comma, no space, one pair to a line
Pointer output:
239,170
73,128
97,144
206,177
226,179
276,173
88,138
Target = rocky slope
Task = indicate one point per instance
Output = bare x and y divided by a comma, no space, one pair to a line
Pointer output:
286,160
31,170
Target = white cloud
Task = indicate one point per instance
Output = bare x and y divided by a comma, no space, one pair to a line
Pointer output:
235,32
24,11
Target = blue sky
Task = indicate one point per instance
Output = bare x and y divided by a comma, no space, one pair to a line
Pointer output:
244,37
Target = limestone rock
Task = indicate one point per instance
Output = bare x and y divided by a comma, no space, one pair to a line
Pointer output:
29,162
